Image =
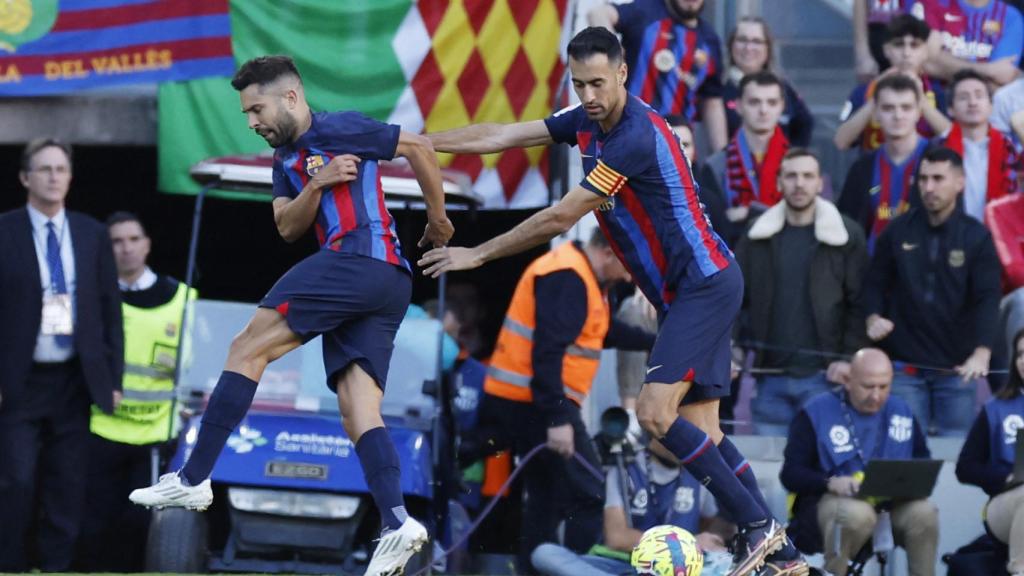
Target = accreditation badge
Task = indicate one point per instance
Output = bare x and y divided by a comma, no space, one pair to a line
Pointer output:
664,60
56,317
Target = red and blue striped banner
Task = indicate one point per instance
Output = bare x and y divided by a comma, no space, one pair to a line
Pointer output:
51,47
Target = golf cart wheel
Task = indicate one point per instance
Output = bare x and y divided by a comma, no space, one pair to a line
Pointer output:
177,542
419,564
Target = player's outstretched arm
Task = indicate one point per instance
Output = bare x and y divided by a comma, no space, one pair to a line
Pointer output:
421,156
535,230
489,138
293,216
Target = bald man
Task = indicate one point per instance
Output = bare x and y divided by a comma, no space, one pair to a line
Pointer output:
830,443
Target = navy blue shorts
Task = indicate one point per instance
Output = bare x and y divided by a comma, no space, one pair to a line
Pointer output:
694,339
355,302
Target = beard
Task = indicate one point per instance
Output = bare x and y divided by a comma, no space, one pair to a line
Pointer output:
684,13
284,130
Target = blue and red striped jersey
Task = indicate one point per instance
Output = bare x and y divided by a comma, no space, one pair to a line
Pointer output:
671,66
653,219
985,34
352,217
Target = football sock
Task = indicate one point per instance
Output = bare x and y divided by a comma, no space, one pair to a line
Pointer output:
379,459
702,459
742,470
228,404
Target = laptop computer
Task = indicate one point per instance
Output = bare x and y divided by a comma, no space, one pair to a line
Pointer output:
900,479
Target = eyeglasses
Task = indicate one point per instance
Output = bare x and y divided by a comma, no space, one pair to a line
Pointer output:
50,170
751,41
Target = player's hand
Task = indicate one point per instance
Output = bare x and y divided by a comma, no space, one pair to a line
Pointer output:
838,372
341,168
843,486
560,440
710,542
437,233
976,365
879,327
117,397
448,259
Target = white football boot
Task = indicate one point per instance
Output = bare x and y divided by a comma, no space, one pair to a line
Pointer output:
396,548
170,492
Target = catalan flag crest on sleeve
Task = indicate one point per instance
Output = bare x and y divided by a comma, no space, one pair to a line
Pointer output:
48,47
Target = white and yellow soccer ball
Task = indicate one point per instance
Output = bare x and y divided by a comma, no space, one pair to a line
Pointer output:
667,551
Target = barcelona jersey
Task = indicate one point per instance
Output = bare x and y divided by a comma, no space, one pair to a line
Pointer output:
670,65
352,217
986,34
653,218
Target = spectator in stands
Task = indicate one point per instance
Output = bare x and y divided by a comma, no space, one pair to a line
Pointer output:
982,35
659,492
870,20
907,48
932,298
61,349
831,441
803,264
990,160
880,185
1008,111
987,461
674,59
744,176
684,130
750,49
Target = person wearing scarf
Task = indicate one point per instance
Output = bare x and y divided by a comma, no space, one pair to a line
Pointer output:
990,160
744,175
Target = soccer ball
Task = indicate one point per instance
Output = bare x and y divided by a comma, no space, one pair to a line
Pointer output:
667,551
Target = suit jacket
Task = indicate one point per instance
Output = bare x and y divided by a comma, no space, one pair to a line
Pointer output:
99,334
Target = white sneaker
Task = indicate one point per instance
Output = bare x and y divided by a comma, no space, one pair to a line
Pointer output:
396,548
169,491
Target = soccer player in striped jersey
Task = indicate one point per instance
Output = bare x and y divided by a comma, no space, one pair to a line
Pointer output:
354,291
638,182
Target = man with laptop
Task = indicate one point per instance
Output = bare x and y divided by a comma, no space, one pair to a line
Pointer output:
844,440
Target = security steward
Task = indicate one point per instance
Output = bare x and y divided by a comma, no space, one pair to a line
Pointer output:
545,360
127,445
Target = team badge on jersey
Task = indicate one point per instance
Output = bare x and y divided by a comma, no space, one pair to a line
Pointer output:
991,27
314,163
700,58
956,258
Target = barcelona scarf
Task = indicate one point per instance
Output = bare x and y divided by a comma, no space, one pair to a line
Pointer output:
1002,159
750,181
890,189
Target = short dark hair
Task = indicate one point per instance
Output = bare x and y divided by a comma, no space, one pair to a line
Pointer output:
595,40
122,216
598,239
800,152
907,25
935,154
897,83
36,145
964,75
264,70
678,120
762,78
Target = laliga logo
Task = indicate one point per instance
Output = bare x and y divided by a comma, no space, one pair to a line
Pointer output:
840,438
1011,424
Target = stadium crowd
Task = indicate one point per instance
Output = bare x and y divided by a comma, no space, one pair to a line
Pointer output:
873,317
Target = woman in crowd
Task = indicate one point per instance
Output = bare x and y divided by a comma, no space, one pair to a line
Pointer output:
987,459
751,50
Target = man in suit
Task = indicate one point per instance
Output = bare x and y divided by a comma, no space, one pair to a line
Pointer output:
61,348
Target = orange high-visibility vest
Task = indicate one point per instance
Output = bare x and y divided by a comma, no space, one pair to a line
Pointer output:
511,367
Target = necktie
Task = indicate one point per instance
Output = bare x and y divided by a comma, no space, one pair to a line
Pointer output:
56,265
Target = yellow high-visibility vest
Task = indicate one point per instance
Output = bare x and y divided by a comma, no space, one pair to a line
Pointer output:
151,337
